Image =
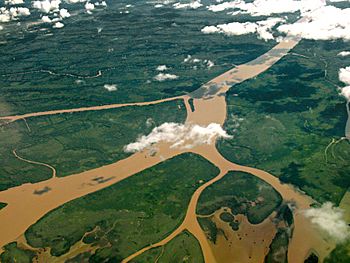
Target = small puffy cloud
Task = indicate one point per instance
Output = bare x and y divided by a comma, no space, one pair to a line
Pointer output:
6,15
64,13
46,19
75,1
345,92
191,5
209,63
110,87
344,75
19,11
262,28
182,136
206,62
58,25
210,30
162,68
165,76
14,2
230,29
344,54
329,219
1,27
47,6
89,6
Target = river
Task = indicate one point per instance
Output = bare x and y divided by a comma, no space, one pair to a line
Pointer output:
25,207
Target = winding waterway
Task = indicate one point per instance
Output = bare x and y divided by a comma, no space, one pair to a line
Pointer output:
25,207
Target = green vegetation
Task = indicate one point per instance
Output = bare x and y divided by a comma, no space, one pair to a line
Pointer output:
311,259
284,119
190,101
13,253
243,194
128,57
76,142
229,218
183,248
278,248
128,216
341,254
2,205
209,227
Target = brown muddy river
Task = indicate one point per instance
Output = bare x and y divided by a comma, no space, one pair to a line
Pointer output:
25,207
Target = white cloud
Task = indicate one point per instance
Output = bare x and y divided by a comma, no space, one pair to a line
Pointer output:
345,92
46,19
326,23
14,2
75,1
165,76
110,87
58,25
162,68
89,6
1,27
64,13
210,29
191,5
206,62
262,28
19,11
6,15
268,7
47,6
344,54
344,75
209,63
182,136
329,219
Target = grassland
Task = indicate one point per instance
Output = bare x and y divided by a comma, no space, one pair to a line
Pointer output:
183,248
284,120
243,194
73,143
127,216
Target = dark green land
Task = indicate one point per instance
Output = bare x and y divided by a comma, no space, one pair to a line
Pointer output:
278,251
2,205
341,254
13,254
127,51
236,191
77,142
128,216
183,248
284,119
